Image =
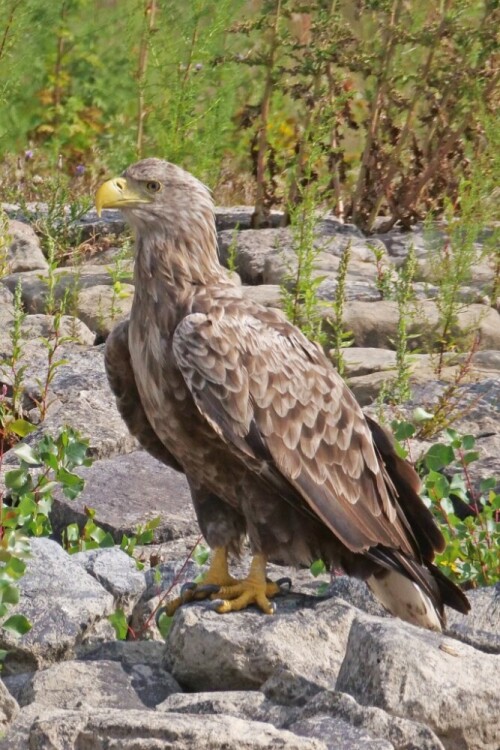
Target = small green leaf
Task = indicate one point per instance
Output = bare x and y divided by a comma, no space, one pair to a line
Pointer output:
438,456
9,594
119,623
103,538
164,624
402,430
25,453
469,457
201,554
16,479
21,427
421,415
17,624
15,567
72,532
317,568
468,442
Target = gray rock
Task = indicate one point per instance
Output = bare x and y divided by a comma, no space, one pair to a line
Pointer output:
117,572
374,324
24,253
79,395
287,688
477,405
127,491
64,604
141,660
252,249
69,281
240,217
8,707
356,288
363,361
425,677
267,255
398,241
36,326
338,734
17,735
401,733
78,684
6,299
111,222
114,729
16,682
481,627
357,593
268,295
101,308
488,359
244,704
280,266
247,648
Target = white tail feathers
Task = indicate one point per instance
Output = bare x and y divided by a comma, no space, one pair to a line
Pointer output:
404,599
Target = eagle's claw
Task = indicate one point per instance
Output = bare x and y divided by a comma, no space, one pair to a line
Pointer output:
207,589
284,585
187,588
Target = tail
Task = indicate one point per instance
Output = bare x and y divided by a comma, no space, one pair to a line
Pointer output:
411,588
415,592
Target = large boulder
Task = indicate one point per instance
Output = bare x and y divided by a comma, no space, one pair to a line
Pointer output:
425,677
246,649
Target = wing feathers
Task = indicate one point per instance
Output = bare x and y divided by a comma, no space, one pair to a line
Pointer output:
243,371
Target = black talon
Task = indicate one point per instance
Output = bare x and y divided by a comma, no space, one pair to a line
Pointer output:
284,585
189,587
273,608
208,588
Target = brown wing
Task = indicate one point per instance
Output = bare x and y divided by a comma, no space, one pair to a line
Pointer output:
260,382
122,381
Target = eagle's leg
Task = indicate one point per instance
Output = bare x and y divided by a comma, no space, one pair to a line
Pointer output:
231,594
216,577
254,589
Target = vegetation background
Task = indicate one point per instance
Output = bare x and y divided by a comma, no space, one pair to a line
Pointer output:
387,105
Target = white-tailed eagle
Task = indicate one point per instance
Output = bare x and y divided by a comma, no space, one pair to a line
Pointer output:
272,442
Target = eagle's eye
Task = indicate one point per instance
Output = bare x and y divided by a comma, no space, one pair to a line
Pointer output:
153,186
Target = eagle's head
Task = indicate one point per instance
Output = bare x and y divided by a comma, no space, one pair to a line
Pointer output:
154,191
172,214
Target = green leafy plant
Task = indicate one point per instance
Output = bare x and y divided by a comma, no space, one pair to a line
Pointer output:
11,366
25,506
340,337
468,515
299,291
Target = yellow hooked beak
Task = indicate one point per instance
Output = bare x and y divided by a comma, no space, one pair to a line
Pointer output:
118,193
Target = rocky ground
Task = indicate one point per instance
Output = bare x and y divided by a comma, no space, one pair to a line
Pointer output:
330,670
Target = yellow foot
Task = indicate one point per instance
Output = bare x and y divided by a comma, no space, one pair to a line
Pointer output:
229,594
245,592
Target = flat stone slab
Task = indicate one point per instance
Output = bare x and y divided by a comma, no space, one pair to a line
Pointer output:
127,491
114,729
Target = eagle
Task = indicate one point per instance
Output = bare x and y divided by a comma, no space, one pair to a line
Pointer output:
273,444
